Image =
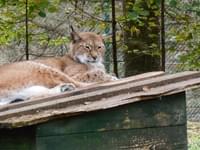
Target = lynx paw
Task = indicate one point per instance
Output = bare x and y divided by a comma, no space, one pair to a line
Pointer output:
67,87
113,78
17,100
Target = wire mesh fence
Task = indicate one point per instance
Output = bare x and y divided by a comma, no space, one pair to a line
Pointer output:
173,64
49,36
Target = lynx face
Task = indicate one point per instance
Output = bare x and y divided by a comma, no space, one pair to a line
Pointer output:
87,48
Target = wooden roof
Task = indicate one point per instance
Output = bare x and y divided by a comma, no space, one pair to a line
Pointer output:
98,97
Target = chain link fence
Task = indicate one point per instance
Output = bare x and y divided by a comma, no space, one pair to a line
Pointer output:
49,36
174,65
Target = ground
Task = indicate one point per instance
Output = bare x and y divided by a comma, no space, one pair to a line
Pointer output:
193,135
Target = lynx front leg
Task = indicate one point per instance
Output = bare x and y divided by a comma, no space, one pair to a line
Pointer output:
62,88
95,76
52,77
112,78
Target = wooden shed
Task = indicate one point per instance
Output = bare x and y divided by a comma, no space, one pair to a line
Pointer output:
143,112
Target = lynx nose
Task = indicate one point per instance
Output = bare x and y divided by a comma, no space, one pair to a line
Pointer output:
94,57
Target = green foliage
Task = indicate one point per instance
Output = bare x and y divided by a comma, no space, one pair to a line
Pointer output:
193,129
185,17
12,17
142,22
140,15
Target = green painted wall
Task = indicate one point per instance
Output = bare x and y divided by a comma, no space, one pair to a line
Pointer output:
18,139
153,124
159,123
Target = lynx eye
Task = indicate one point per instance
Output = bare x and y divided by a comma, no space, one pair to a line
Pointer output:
87,47
99,47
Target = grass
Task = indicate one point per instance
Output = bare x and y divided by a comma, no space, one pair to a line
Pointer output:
193,135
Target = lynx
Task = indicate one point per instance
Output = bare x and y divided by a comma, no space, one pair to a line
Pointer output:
84,61
81,66
23,80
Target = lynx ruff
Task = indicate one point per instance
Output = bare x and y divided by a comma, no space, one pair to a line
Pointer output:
82,66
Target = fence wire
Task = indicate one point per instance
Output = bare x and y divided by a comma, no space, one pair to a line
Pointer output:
174,65
48,33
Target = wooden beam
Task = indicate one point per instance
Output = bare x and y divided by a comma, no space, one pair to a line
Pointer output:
132,79
127,88
135,86
30,115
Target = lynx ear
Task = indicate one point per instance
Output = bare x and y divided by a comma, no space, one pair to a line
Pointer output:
74,35
106,37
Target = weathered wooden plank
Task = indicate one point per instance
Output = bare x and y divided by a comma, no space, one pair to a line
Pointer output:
18,139
138,85
132,87
107,130
84,98
132,79
136,78
160,138
164,111
180,76
143,125
84,105
129,87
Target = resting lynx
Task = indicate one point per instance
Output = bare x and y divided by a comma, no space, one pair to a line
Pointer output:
83,63
27,79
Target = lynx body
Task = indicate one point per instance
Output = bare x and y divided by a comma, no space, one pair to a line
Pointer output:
82,66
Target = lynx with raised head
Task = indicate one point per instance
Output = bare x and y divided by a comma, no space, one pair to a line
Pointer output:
84,61
81,66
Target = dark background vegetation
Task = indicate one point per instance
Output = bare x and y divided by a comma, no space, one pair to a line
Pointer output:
137,29
140,35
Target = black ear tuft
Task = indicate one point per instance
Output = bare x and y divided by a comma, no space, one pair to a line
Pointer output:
74,35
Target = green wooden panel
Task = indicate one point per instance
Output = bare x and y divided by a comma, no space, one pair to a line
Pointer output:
18,139
153,124
164,111
159,138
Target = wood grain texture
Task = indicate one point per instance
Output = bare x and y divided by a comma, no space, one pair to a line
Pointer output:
132,79
86,104
167,138
164,111
157,124
137,85
110,96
